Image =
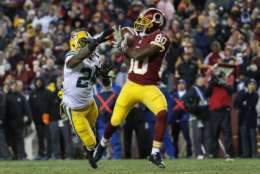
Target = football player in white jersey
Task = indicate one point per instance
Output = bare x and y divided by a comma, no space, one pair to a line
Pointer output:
80,69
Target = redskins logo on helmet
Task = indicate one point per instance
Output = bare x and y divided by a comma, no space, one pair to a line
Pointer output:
78,40
150,20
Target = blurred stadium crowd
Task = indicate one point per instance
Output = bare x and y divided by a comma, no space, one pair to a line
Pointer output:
34,39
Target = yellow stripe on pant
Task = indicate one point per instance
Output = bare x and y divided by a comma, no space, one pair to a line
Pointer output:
83,122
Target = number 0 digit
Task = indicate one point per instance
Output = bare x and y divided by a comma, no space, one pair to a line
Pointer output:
135,68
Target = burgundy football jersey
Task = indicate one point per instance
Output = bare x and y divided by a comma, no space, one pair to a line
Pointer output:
148,71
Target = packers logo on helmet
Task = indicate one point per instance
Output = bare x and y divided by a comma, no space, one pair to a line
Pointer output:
78,40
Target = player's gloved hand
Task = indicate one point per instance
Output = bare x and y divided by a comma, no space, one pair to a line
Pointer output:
104,36
120,42
63,115
60,94
104,70
94,42
117,36
124,42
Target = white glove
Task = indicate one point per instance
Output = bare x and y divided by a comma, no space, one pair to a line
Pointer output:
117,36
120,41
124,42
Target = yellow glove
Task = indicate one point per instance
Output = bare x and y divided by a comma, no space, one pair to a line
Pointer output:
60,93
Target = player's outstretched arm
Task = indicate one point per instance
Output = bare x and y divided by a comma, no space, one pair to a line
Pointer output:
124,44
141,53
78,58
86,51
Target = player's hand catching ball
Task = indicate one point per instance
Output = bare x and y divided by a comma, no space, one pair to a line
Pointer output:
117,36
122,38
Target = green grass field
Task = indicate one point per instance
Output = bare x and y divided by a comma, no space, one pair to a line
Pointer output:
131,167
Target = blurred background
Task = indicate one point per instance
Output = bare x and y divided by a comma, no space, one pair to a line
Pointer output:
203,33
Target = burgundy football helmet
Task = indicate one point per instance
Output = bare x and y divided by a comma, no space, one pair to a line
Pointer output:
150,20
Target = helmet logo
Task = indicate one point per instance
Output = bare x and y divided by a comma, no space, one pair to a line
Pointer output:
158,18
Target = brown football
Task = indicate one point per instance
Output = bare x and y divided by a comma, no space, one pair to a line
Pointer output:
129,34
125,32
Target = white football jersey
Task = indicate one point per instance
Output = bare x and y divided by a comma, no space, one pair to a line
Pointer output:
78,82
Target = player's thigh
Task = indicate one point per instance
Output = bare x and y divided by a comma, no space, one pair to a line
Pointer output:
81,127
92,114
78,121
119,114
124,103
154,99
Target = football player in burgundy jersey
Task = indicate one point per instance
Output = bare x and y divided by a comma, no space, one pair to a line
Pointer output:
146,54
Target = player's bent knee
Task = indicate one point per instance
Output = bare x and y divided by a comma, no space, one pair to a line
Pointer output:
160,111
115,122
81,130
158,105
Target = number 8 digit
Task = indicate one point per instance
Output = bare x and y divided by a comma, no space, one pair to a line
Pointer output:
160,39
